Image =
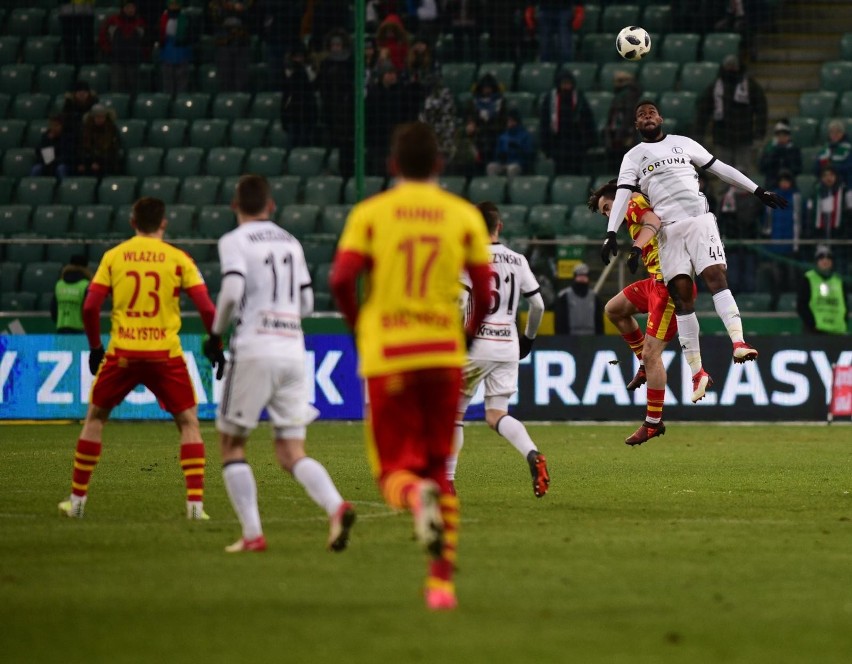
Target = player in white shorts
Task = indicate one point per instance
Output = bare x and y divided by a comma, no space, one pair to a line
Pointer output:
663,168
266,291
493,357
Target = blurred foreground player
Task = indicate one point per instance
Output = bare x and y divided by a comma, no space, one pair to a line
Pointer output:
145,276
493,358
266,291
413,241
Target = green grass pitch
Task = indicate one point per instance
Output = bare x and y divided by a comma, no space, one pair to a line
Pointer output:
712,544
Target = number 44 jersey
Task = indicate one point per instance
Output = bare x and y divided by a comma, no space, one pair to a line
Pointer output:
497,338
272,264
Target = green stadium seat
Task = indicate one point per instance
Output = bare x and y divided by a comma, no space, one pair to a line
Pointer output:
30,249
372,185
658,76
18,162
40,276
679,106
323,190
215,220
268,162
504,72
266,106
167,133
817,104
200,253
60,252
119,102
181,220
199,190
697,76
223,162
487,188
230,105
164,187
455,184
608,70
320,277
615,17
7,188
26,22
10,45
514,219
305,162
536,77
212,273
822,132
14,219
183,162
570,190
98,248
300,220
11,133
528,190
52,220
97,76
117,190
597,47
719,45
5,102
143,162
10,276
657,18
21,301
845,104
259,78
318,251
284,190
92,220
17,79
524,102
458,76
27,106
804,131
333,218
846,46
190,106
547,220
208,79
151,106
76,191
55,79
34,132
680,47
806,182
601,180
278,135
323,301
585,74
586,223
248,133
35,190
228,189
207,133
599,103
836,76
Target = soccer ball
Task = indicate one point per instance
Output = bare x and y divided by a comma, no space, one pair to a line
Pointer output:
633,43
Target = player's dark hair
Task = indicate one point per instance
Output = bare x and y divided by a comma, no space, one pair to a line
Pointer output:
607,190
645,102
252,194
491,215
148,213
414,147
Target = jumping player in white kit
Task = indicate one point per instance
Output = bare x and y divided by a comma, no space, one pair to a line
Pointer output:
266,291
493,358
663,168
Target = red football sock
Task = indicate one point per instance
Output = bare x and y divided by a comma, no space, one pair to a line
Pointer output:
635,340
442,568
86,457
192,464
397,488
654,411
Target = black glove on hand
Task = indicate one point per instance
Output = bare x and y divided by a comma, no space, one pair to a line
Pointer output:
769,199
212,349
525,344
633,259
96,356
610,247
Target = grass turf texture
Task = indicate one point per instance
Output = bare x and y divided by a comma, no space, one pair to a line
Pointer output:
713,544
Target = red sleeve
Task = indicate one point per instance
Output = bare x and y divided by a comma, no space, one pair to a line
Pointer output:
201,299
92,313
579,17
480,279
103,35
344,281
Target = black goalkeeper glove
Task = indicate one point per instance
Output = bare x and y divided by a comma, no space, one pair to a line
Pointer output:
633,259
610,247
96,356
769,199
212,349
525,346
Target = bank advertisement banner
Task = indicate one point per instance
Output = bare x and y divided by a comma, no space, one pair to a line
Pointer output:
565,378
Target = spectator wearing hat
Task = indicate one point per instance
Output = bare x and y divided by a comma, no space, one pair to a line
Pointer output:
579,311
78,102
438,110
567,126
388,104
514,154
837,153
124,43
100,144
232,31
823,299
56,152
66,306
334,81
780,154
299,112
488,106
828,210
176,38
783,225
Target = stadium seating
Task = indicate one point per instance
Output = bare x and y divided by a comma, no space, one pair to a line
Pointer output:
719,45
10,46
26,22
680,47
167,133
10,276
458,76
230,105
143,162
323,190
199,190
585,222
190,106
817,104
585,74
151,106
76,191
658,77
333,219
26,106
372,185
183,162
524,102
598,47
504,72
804,131
569,190
599,102
163,187
697,76
455,184
248,133
266,161
17,79
285,190
119,102
14,219
215,220
836,76
305,162
40,276
514,219
547,220
20,301
528,190
608,70
31,251
53,79
115,191
300,220
615,17
18,162
657,18
181,220
97,76
536,77
52,220
35,190
92,220
207,133
487,188
266,106
680,107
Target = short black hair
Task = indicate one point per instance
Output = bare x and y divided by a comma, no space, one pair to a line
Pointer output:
148,213
491,214
252,194
415,148
607,190
645,102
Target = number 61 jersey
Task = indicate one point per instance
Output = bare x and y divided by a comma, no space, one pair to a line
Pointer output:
272,264
497,338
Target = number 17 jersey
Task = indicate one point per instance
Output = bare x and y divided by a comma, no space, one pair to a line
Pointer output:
497,337
272,263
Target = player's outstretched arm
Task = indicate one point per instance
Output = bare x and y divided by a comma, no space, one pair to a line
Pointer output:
200,297
650,227
732,176
536,312
616,218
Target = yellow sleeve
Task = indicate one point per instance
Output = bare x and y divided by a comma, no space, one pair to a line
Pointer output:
190,274
104,271
355,236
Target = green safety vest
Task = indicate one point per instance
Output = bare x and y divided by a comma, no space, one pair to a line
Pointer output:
69,304
827,303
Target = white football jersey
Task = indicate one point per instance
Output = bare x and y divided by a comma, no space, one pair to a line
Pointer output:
273,265
664,172
497,337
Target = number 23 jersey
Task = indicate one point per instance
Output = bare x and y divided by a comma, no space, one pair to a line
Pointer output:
272,264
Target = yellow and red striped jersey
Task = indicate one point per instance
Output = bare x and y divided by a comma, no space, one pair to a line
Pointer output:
636,209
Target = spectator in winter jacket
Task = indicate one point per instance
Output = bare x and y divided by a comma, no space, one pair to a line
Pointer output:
514,153
56,151
123,41
176,38
828,212
388,104
783,224
620,129
335,84
823,298
78,102
567,126
468,148
100,145
232,25
837,153
780,154
299,113
439,111
558,20
392,40
489,107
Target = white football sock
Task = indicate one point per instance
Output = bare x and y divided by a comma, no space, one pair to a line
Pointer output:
313,476
453,459
729,312
516,433
242,490
687,332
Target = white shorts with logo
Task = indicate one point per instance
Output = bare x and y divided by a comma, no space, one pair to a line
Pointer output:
278,384
500,378
689,246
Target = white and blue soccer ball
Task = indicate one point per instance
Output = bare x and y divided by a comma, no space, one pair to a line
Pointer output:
633,43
